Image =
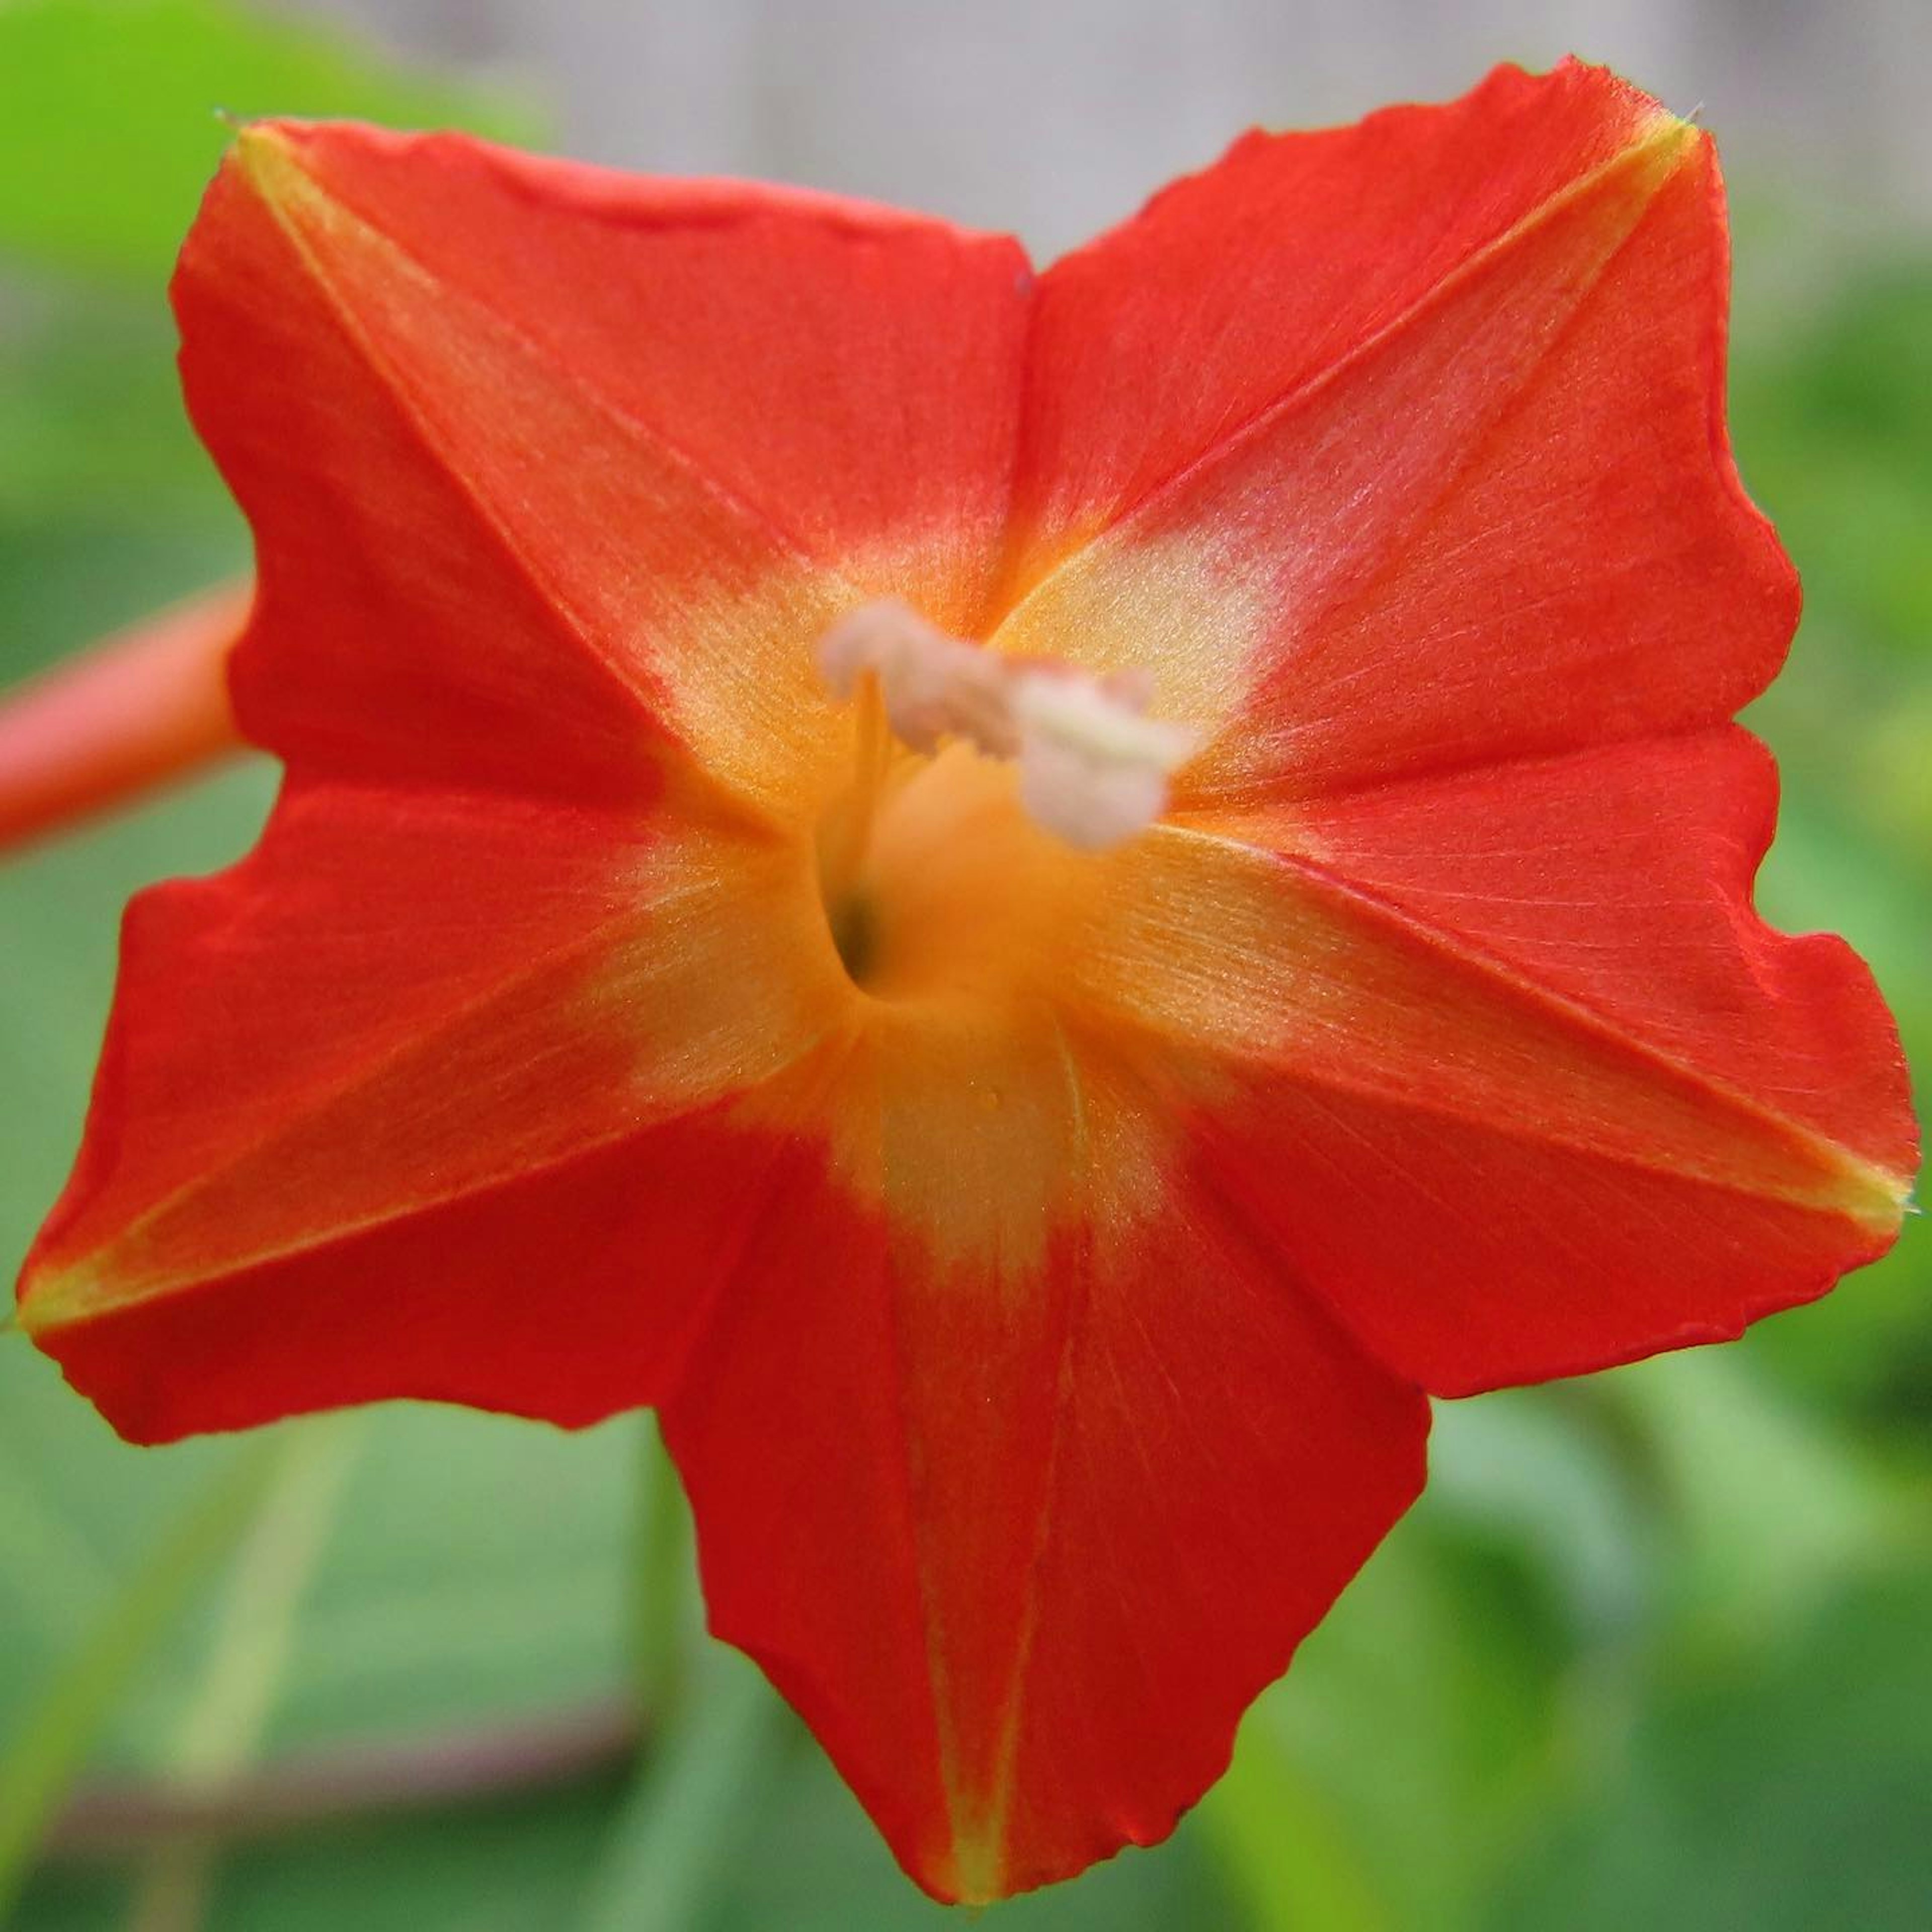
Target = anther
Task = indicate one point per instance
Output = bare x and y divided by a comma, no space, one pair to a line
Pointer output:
1093,768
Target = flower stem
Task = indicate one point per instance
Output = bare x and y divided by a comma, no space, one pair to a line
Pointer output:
145,705
115,1818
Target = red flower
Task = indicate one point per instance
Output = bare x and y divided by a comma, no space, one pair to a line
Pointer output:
1039,1256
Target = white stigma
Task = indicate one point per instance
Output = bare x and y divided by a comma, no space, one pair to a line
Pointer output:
1093,768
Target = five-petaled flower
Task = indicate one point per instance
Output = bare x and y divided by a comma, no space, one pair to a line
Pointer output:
1039,1236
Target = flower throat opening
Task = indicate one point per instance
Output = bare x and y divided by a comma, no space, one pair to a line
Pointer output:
979,780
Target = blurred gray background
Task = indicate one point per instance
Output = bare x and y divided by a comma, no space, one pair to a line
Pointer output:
1055,117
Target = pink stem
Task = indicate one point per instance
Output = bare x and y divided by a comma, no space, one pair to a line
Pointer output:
356,1781
145,705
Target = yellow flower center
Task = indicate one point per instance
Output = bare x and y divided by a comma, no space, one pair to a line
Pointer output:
981,783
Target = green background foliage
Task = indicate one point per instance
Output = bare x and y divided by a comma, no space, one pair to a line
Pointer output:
1651,1651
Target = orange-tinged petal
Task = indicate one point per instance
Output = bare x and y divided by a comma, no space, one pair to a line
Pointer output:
1502,522
400,1002
540,431
1229,955
848,374
1239,287
565,1293
1613,886
1619,881
1476,1253
1507,1067
1022,1535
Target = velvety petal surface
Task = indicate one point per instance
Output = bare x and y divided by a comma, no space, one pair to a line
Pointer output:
556,474
381,1111
1457,982
1160,340
1021,1516
1489,515
1507,1068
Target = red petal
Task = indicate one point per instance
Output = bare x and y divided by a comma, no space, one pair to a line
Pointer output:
542,470
1508,1069
1234,289
565,1293
1620,880
413,1051
1615,885
1489,511
1022,1545
1478,1254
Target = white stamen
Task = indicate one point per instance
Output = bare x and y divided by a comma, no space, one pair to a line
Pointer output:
1093,769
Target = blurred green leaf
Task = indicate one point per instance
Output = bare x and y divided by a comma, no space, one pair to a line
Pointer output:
479,1574
51,1738
248,1654
1786,1801
65,581
1526,1470
91,426
667,1613
1387,1771
822,1867
110,118
1771,1514
1287,1850
689,1810
508,1865
109,132
254,1630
